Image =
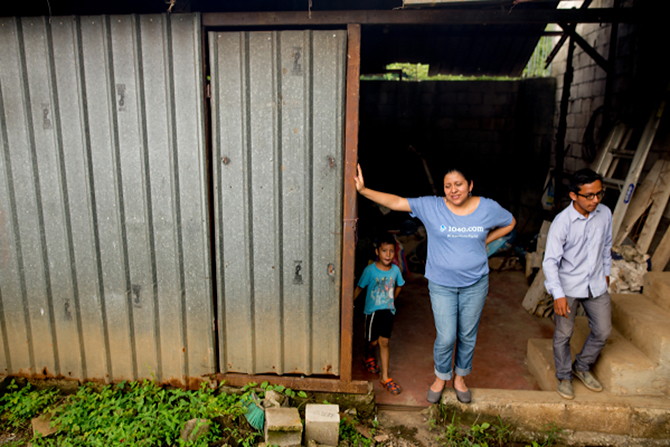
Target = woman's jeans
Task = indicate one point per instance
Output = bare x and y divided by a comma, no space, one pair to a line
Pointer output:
457,311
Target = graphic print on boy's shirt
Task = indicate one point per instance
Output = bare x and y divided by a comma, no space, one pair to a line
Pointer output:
382,292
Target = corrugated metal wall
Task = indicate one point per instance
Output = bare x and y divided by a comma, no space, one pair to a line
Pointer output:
104,245
277,106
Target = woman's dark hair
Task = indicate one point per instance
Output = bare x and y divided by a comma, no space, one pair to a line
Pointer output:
583,177
459,170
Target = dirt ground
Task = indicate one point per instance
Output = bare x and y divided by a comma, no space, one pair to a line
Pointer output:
407,428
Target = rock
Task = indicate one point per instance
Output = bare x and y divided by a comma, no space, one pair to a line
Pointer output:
195,429
42,425
273,399
627,274
381,438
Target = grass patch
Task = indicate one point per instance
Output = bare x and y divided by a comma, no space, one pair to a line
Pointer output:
139,413
144,414
452,432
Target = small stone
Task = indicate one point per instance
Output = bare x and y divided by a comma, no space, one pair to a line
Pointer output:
42,425
273,399
195,429
381,438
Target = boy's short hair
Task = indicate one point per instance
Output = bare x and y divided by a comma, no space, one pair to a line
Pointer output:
385,238
583,177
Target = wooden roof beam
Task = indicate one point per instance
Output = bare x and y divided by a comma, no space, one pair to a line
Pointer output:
420,17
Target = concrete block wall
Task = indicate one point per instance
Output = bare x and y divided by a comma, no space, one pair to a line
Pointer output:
497,129
637,82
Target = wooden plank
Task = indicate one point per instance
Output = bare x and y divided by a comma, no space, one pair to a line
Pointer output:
639,204
659,200
349,211
542,237
534,259
296,382
604,158
661,255
421,17
536,293
643,147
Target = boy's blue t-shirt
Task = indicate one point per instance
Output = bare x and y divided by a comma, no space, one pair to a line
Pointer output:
380,284
457,244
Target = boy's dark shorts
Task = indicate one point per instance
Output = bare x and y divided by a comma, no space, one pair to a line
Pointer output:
378,324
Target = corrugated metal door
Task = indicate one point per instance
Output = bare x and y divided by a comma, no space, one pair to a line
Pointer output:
104,245
277,120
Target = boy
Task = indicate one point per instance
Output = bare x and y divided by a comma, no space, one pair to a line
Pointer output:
383,281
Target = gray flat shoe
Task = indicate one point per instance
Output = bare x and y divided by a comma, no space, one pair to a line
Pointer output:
464,397
433,396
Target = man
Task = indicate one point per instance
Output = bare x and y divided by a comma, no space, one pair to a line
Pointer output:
577,262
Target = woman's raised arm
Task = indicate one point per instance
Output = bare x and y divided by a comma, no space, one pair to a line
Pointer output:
392,201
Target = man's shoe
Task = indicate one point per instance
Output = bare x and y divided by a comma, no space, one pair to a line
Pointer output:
588,380
565,389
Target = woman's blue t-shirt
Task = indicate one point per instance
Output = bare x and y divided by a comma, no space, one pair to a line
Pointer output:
457,244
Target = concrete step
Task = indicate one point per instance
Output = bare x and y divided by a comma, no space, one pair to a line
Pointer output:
590,419
622,368
540,362
656,285
645,324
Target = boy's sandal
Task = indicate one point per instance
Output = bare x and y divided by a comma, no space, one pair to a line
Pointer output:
391,386
371,365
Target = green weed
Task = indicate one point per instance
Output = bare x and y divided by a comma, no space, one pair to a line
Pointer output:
453,433
144,414
350,434
552,435
19,405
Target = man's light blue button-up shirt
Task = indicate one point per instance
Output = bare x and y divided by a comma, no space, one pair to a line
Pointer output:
578,254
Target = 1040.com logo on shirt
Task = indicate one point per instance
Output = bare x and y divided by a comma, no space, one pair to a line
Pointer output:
471,231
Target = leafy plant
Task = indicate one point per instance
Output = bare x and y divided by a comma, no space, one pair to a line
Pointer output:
298,398
351,436
484,434
143,414
551,437
19,405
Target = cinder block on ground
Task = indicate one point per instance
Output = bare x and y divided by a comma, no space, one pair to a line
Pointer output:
322,423
283,427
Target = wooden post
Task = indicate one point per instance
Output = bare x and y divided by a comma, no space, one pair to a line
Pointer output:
349,212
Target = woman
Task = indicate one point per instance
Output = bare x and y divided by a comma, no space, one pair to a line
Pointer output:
458,225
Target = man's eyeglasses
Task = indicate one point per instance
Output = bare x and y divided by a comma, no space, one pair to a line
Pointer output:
591,196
